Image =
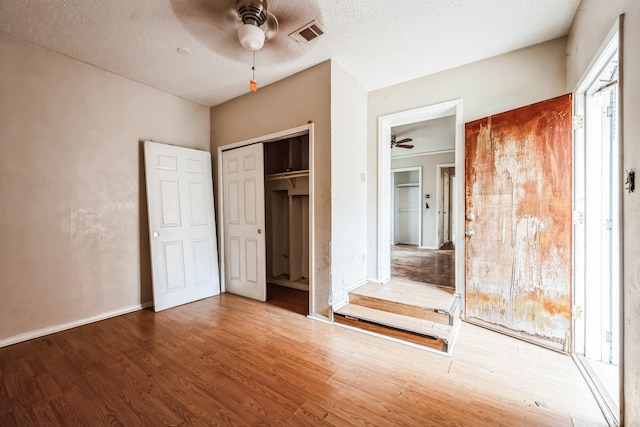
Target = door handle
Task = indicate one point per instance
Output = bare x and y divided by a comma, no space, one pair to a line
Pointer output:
471,216
469,232
156,234
259,231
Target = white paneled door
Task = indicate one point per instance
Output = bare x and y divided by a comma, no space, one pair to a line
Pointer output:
184,256
244,221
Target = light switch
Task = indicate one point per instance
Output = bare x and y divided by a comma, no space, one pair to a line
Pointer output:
631,181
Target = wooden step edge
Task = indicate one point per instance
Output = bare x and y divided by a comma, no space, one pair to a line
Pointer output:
395,328
396,321
364,291
426,313
377,328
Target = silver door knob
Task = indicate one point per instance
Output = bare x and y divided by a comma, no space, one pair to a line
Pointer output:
156,234
471,216
469,232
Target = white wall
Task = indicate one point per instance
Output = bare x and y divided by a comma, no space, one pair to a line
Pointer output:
593,21
286,104
348,182
429,165
74,240
486,87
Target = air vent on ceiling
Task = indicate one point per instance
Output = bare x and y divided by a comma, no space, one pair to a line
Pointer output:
305,34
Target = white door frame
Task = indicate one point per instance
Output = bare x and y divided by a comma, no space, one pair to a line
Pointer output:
385,123
610,44
393,183
287,133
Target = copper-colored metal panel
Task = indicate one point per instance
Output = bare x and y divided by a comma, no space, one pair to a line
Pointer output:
518,189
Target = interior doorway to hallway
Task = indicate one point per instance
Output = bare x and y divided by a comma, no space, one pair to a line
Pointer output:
434,155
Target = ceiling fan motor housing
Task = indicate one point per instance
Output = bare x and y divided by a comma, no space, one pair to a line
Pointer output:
252,12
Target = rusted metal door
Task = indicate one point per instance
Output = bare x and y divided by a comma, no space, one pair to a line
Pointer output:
518,221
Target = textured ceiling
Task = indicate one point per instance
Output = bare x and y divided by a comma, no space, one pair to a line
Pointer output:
379,42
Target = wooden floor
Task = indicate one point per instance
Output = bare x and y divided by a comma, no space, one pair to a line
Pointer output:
436,267
290,299
228,360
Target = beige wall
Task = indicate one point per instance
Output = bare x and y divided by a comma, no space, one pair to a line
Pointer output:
348,183
486,87
74,241
591,25
291,102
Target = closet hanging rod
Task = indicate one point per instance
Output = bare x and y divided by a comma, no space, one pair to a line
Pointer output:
286,175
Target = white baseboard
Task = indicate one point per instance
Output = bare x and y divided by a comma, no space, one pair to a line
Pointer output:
63,327
343,300
355,285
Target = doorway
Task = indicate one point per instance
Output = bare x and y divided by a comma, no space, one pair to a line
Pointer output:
598,234
446,205
407,121
406,204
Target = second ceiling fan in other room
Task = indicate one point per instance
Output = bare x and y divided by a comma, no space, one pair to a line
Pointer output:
402,143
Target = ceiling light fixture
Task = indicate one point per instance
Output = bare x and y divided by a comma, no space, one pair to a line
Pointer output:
253,14
257,26
251,37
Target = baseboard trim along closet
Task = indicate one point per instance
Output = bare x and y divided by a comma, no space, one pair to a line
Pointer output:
63,327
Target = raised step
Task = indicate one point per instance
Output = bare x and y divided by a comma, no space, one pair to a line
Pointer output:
418,331
428,302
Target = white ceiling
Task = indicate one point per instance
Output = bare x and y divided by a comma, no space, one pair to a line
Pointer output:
379,42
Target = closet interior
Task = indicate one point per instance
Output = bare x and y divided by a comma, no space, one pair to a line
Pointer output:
286,167
406,202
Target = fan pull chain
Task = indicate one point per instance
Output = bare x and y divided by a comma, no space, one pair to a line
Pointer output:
252,83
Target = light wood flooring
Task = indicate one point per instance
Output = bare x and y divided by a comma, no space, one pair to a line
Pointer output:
228,360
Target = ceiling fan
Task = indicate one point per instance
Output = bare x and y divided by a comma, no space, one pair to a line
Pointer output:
221,25
402,143
254,23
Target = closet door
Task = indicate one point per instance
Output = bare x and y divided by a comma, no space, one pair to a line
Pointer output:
184,258
244,221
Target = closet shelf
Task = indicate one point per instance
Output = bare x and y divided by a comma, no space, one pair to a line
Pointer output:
289,176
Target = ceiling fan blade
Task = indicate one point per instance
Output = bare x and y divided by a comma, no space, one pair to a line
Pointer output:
404,145
231,19
270,26
402,141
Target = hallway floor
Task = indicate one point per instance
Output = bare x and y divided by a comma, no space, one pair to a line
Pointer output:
436,267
